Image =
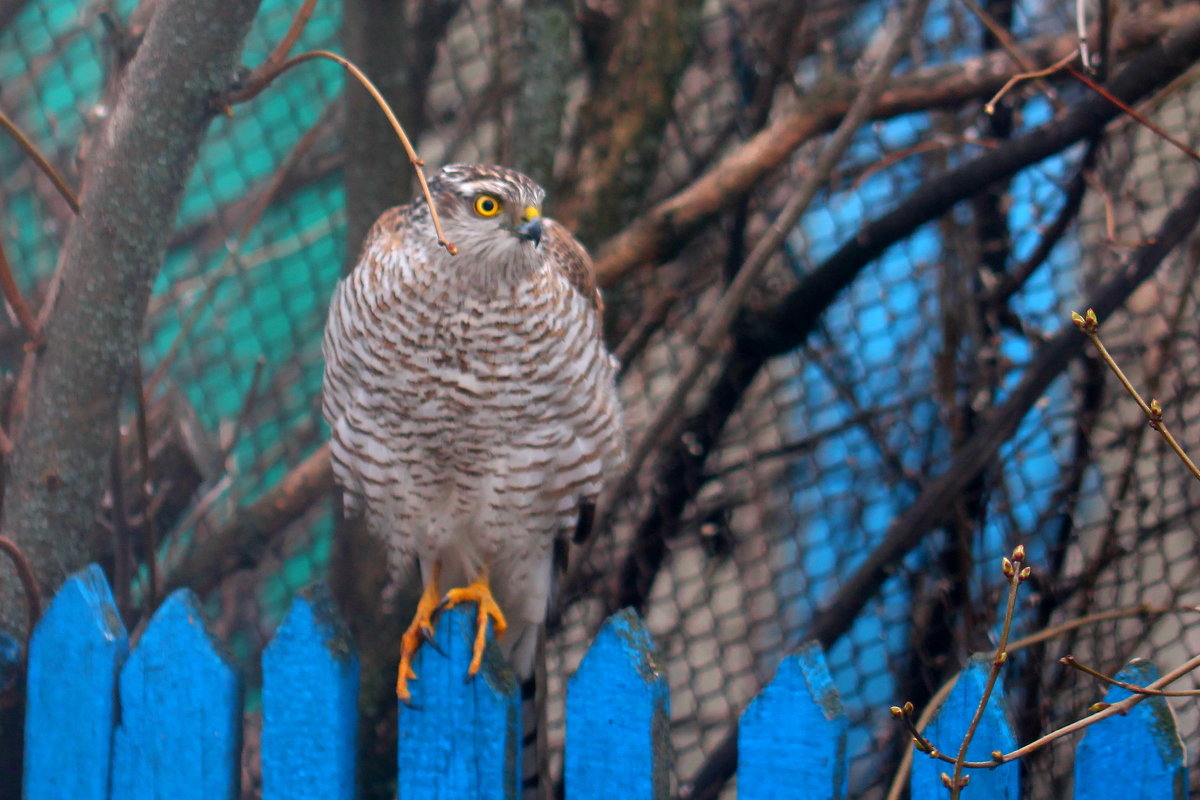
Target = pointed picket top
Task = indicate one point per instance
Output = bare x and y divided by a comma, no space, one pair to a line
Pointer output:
460,737
618,717
181,712
792,737
310,704
1139,754
74,655
949,726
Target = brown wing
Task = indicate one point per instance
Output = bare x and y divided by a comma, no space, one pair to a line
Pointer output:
565,252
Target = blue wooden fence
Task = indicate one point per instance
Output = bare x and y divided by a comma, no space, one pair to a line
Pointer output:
164,720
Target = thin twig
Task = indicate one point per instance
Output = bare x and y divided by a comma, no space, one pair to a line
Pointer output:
42,164
251,90
1110,215
280,53
247,409
1090,326
33,596
900,778
1051,235
1016,575
1012,48
936,143
1069,660
12,294
1128,109
990,106
239,543
650,320
1121,707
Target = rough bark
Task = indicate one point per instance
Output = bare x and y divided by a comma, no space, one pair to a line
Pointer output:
542,95
627,110
133,182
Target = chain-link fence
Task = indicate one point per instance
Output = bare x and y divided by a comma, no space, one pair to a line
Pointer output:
831,444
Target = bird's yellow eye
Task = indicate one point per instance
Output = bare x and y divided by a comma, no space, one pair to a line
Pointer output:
487,206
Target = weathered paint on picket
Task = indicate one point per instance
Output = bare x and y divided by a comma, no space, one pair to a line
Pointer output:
949,725
310,705
179,707
75,653
618,717
1135,755
459,737
181,712
792,737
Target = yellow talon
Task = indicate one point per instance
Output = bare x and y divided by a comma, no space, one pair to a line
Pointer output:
420,630
480,593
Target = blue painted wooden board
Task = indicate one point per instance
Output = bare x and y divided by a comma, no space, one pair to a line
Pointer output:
1136,755
460,738
74,655
947,729
310,705
181,712
792,737
618,718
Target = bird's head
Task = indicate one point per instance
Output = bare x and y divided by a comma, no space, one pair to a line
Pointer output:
493,215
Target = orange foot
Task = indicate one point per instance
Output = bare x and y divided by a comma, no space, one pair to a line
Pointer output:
419,631
480,593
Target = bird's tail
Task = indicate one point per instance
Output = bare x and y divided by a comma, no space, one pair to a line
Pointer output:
536,783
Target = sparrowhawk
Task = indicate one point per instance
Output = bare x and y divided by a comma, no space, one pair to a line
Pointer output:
472,402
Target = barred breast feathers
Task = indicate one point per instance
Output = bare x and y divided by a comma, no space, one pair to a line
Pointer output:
381,335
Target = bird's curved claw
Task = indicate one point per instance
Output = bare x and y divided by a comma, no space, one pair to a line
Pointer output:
480,593
419,630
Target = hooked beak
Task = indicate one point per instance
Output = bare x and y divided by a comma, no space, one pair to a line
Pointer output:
531,229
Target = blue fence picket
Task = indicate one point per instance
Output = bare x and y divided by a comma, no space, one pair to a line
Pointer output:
181,712
792,737
74,655
180,717
459,738
1136,755
310,705
947,729
617,717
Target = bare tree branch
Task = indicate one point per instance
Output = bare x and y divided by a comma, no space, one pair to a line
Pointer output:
241,543
630,102
133,182
658,233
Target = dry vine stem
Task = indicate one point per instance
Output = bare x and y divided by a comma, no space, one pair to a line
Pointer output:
1090,326
261,81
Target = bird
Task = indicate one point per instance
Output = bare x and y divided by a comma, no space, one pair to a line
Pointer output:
472,403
